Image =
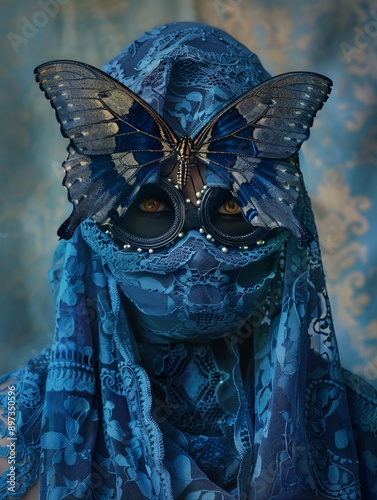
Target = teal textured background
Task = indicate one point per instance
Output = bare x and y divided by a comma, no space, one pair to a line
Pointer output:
339,161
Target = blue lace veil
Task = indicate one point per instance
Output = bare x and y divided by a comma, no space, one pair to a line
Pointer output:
113,416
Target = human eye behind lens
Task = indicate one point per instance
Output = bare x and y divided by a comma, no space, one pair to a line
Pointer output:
230,207
153,205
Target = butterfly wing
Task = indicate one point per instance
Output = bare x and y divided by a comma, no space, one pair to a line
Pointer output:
117,140
252,143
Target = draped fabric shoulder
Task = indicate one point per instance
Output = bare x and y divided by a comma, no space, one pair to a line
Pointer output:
263,410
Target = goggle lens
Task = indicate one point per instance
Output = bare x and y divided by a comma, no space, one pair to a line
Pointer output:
159,214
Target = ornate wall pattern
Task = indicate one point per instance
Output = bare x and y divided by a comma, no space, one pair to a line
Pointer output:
337,39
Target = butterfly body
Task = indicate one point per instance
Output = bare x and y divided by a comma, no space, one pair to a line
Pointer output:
118,142
184,150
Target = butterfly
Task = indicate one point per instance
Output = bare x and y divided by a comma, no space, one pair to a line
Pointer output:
118,142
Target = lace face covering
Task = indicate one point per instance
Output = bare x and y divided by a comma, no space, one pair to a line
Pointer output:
193,291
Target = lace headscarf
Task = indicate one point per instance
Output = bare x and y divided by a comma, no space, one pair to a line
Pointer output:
258,409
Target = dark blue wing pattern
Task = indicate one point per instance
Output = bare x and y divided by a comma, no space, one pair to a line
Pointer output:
116,139
253,143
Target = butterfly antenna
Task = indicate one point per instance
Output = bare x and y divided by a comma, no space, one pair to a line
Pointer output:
199,175
171,170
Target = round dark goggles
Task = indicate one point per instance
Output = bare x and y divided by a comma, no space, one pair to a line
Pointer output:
159,215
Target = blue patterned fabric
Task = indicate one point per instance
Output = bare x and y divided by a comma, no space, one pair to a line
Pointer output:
122,407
